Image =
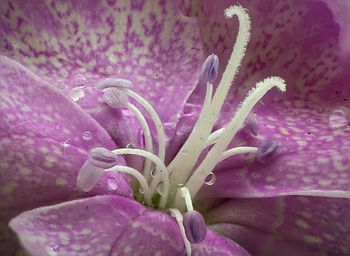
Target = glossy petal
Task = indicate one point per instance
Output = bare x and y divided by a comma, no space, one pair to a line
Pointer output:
43,142
148,42
108,225
293,225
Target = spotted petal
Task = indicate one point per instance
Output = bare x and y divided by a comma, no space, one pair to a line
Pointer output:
108,225
45,139
82,42
292,225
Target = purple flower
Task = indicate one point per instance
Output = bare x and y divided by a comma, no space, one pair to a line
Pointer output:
111,91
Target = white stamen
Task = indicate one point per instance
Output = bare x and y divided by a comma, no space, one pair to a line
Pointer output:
157,122
236,151
147,135
183,163
215,154
187,197
163,172
178,216
214,136
137,175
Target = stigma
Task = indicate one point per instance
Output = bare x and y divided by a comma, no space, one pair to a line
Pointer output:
172,187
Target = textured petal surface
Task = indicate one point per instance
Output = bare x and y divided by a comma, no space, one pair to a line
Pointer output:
44,141
299,41
108,225
293,225
149,42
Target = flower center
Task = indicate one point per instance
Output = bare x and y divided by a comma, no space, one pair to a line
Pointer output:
174,186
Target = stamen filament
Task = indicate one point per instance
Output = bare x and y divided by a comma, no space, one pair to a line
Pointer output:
205,168
147,135
161,169
183,163
236,151
137,175
179,219
214,136
187,197
157,122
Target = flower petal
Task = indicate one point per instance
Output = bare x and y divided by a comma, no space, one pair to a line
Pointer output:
292,225
313,158
107,225
148,42
44,142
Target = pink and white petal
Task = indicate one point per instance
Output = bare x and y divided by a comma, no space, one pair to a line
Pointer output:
261,243
108,225
312,159
45,139
320,223
149,42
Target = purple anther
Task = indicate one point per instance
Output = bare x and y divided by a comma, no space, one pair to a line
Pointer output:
210,68
267,150
195,227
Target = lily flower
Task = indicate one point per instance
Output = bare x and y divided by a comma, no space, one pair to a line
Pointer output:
129,142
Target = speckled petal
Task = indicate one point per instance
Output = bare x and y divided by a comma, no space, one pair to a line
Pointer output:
313,158
108,225
149,42
292,225
44,141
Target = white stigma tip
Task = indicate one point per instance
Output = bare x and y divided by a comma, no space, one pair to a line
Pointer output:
114,82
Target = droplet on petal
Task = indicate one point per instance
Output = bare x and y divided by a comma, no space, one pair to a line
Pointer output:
76,93
79,80
60,85
210,179
99,159
115,82
210,68
115,98
195,226
338,119
112,184
267,150
87,135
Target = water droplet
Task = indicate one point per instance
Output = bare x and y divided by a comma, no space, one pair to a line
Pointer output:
76,93
141,190
337,119
130,145
87,135
112,183
79,80
210,179
55,248
60,85
65,144
153,172
160,188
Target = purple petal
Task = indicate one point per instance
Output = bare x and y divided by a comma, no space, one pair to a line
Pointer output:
43,142
150,43
293,225
313,158
108,225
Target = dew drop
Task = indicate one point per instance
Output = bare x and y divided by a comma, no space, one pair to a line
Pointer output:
337,119
141,190
210,179
130,145
55,248
79,80
153,172
87,135
160,188
60,85
112,184
76,93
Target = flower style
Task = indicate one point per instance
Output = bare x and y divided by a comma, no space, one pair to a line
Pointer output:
116,81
